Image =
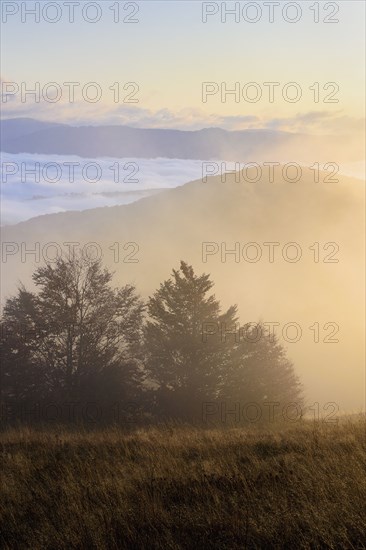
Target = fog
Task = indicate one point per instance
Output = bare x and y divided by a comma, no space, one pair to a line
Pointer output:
306,285
33,185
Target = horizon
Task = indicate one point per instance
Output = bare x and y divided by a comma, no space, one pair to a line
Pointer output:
128,91
120,124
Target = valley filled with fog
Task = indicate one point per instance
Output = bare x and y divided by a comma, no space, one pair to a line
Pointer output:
35,184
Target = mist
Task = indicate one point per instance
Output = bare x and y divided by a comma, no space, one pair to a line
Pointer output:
211,225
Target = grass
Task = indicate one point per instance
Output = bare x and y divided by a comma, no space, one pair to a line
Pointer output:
183,487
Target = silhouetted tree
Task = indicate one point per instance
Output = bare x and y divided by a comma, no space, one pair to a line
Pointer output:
261,373
197,355
21,376
185,369
77,338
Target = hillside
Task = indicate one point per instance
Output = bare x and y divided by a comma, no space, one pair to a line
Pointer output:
173,224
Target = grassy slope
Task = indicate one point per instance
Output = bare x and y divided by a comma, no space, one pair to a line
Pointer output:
182,487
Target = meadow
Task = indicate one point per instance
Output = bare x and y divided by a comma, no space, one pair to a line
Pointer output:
184,487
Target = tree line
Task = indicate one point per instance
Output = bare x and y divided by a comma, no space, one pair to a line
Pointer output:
77,339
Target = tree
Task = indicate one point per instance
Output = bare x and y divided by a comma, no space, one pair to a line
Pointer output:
185,369
19,348
82,338
261,373
196,355
78,339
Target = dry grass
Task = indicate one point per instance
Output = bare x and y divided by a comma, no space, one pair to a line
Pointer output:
183,487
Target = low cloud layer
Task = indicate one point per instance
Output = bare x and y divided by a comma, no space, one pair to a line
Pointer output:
137,178
33,191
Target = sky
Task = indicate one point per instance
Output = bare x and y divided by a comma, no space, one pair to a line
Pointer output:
169,52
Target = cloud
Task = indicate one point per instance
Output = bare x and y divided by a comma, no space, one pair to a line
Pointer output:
37,195
101,113
318,121
29,196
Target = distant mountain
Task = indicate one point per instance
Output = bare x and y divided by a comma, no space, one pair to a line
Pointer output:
30,136
15,128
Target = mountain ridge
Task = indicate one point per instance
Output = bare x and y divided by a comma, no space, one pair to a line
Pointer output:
204,144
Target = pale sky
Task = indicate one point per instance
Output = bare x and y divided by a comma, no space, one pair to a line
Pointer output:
170,52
